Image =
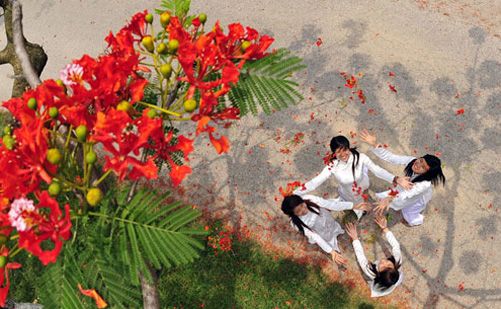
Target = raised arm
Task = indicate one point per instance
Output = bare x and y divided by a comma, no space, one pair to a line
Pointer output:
403,197
388,156
351,229
395,246
315,182
329,204
378,171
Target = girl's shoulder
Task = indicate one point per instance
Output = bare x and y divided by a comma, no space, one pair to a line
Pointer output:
363,156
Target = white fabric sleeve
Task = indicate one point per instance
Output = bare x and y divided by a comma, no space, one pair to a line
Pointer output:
395,246
318,240
362,260
331,204
378,171
403,197
315,182
390,157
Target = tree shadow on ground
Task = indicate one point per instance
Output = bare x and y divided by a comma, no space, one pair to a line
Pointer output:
458,144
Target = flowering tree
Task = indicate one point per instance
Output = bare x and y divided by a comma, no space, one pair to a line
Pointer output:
77,147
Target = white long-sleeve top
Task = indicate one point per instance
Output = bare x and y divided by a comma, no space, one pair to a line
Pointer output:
344,176
324,229
366,269
417,197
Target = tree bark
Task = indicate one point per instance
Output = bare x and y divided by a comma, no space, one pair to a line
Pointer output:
35,53
150,291
151,299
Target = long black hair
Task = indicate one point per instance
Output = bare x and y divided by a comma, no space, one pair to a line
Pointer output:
342,142
434,174
388,277
290,203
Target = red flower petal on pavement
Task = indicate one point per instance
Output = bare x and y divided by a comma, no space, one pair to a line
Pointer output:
392,88
461,287
391,74
178,173
460,111
361,96
319,42
221,145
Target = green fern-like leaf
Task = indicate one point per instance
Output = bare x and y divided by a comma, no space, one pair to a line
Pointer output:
179,8
150,232
265,84
59,284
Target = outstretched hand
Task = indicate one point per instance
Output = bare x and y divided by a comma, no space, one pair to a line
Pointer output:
382,206
381,222
338,258
351,230
363,206
368,137
405,182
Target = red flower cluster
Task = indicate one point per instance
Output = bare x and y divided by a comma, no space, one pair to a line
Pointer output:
96,102
53,227
212,62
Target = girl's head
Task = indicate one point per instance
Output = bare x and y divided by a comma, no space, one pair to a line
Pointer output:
340,147
294,206
387,273
428,168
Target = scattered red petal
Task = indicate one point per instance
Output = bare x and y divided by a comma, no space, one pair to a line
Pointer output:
391,74
392,88
361,96
319,42
461,287
460,111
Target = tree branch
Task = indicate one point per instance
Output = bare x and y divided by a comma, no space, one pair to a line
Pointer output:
19,41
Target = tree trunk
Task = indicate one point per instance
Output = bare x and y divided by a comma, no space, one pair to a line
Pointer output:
149,290
151,298
36,54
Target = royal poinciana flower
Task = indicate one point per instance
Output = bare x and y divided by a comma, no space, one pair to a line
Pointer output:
24,166
52,227
165,145
124,137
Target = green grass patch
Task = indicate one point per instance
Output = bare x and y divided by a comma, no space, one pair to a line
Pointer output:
250,278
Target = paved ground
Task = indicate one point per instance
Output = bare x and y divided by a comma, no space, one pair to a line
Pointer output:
445,56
